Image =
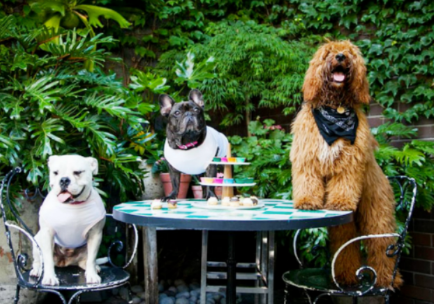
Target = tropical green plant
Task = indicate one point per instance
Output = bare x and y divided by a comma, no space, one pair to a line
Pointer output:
50,105
70,13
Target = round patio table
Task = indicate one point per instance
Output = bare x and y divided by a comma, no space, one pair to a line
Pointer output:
275,215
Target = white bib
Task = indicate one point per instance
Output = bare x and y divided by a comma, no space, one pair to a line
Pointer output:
195,160
71,223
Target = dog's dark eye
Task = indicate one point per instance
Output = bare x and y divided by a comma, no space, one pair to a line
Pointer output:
55,172
176,112
196,109
77,172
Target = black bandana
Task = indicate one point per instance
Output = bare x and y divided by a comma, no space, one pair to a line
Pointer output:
333,125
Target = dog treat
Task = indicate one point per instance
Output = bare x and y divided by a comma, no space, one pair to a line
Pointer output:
226,201
156,204
247,202
172,204
255,200
212,201
234,201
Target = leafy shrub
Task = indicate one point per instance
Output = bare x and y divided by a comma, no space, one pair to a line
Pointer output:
255,68
51,105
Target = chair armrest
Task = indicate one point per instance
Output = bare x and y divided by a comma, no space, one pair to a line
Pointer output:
20,261
119,245
294,244
359,272
313,250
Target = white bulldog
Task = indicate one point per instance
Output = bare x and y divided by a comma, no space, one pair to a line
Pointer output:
71,219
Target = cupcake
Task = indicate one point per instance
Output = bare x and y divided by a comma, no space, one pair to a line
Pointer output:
255,200
156,204
212,201
172,204
226,201
247,202
234,202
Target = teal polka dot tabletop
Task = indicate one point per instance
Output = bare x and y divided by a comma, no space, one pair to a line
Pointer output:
275,215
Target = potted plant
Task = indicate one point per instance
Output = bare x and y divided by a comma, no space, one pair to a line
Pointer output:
161,166
197,189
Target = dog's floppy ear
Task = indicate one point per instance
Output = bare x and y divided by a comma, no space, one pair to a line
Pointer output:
51,160
313,79
197,97
360,83
166,104
93,164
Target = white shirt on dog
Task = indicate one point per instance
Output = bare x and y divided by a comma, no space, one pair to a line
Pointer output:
70,222
195,161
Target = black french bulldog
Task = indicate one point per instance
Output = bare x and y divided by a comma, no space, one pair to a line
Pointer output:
186,129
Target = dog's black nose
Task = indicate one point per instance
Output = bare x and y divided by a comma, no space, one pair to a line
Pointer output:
340,57
64,182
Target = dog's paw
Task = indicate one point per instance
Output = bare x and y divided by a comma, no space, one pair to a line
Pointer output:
307,204
340,206
50,279
97,268
92,277
169,197
36,271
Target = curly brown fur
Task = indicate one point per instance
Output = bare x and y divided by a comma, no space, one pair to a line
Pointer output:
343,176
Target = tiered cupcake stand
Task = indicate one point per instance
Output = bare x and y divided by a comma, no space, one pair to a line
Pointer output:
228,188
259,269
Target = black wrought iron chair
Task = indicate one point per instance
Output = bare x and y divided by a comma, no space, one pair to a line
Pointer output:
72,279
323,280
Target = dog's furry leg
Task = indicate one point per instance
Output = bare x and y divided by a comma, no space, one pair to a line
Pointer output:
308,188
344,189
45,240
210,172
349,260
36,265
307,180
175,182
376,216
93,244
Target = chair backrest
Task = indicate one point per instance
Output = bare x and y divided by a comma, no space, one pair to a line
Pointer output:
114,246
21,260
405,190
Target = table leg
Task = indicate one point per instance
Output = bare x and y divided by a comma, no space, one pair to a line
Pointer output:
150,265
258,256
271,258
231,270
264,262
204,239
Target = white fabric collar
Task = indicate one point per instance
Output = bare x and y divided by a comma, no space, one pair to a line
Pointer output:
195,161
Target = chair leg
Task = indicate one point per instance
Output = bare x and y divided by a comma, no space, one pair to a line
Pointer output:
17,294
387,299
130,292
320,296
55,292
76,297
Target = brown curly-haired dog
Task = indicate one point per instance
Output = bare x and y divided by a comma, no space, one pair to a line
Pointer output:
343,175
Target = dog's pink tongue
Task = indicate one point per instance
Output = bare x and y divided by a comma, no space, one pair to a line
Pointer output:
339,77
63,197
